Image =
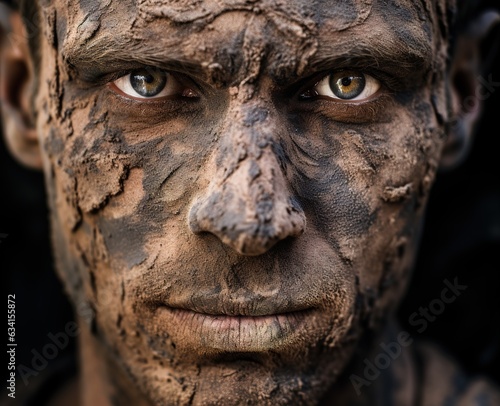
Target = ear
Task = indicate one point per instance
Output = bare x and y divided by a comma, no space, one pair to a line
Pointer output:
16,90
470,85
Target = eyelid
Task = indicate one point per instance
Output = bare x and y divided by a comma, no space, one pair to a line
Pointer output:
124,85
372,86
176,85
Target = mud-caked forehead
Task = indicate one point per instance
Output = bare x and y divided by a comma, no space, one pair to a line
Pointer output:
232,41
347,12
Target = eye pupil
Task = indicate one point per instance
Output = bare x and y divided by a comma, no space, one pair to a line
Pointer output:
347,84
148,84
346,81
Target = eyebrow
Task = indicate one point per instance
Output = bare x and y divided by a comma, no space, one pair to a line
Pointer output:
406,67
101,57
402,52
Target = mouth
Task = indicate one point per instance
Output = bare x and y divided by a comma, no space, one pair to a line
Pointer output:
236,327
246,304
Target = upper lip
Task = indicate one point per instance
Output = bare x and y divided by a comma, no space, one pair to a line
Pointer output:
250,305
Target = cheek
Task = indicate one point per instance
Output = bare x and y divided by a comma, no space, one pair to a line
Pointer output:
403,158
119,173
127,203
365,186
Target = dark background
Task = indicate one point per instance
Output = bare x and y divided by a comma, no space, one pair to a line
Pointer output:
461,240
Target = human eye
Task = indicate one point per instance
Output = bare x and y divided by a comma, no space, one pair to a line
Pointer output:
151,84
345,85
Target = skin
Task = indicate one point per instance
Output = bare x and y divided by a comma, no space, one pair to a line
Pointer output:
238,240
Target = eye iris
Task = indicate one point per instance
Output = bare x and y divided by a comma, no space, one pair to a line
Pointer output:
148,83
347,85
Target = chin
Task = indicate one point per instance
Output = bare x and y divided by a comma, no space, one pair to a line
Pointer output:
235,382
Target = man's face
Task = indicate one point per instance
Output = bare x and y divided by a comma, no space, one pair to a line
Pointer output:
237,186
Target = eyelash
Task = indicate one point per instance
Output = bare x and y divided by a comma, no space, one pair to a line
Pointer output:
176,84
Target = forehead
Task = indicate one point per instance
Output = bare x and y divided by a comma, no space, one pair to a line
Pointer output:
189,10
347,13
342,13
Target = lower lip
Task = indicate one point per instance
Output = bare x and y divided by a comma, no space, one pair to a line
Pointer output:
232,333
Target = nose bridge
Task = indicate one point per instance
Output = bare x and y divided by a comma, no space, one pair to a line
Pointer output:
247,204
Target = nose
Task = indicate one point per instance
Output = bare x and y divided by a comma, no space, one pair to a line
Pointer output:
248,204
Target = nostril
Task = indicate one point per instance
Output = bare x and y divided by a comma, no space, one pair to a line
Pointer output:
209,214
193,223
252,249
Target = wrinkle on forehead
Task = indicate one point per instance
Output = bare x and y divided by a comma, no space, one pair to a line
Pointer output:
348,13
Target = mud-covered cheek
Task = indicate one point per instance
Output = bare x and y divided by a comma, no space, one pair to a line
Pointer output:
363,184
398,196
114,176
103,189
